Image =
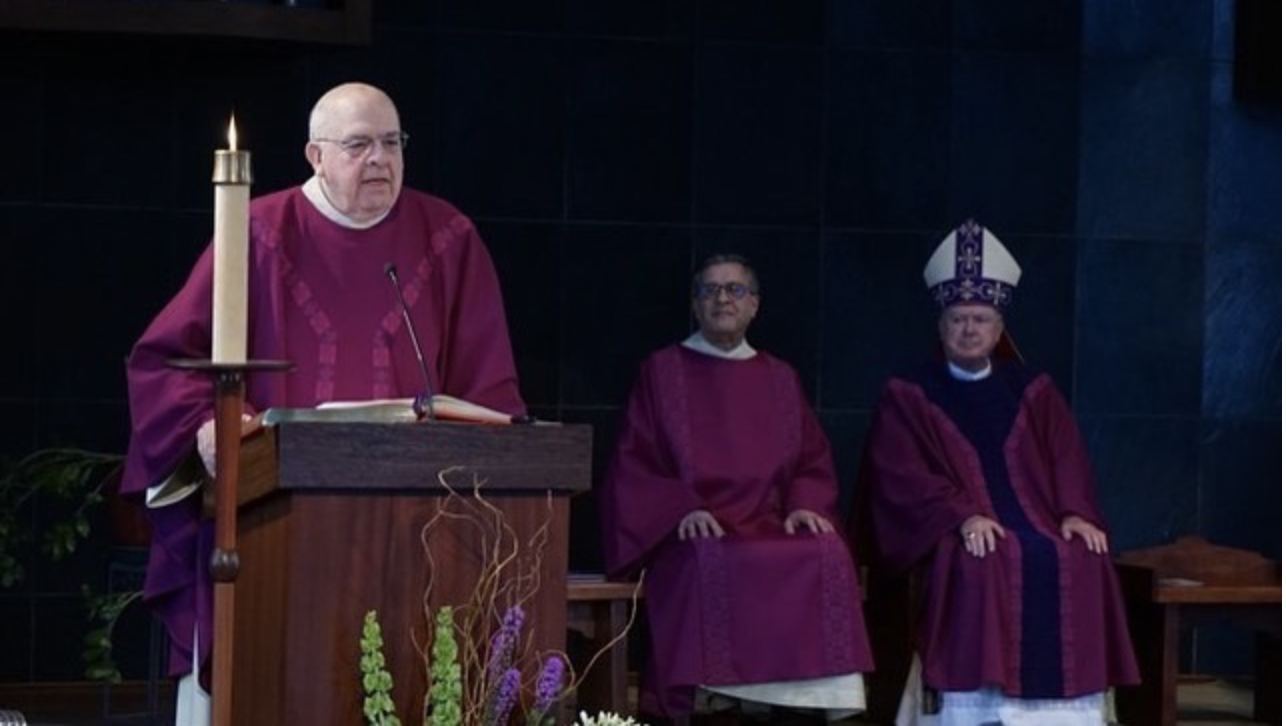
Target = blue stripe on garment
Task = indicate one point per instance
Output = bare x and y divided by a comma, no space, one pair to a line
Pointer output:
985,412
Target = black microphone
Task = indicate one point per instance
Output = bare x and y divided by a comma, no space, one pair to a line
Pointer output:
424,401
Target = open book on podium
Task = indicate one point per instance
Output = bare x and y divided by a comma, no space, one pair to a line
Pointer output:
390,410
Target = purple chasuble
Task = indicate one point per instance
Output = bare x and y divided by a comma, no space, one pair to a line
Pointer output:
735,437
1039,618
318,297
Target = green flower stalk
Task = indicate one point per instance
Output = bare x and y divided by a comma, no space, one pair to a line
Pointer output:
446,692
377,682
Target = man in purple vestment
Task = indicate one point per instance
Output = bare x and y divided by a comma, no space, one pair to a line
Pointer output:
319,296
976,481
722,493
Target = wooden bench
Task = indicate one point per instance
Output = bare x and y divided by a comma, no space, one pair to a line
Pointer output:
1182,585
600,610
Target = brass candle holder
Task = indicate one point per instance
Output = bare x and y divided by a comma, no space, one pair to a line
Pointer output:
232,166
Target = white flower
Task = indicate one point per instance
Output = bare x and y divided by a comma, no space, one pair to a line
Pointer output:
606,719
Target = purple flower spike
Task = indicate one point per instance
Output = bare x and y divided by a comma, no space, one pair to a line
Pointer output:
505,643
507,696
550,684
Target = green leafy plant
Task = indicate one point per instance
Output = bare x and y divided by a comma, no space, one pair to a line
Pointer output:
73,476
77,480
104,612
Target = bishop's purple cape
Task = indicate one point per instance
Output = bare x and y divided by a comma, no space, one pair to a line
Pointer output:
1039,618
735,437
318,297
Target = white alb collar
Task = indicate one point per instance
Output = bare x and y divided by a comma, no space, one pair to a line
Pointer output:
961,374
698,343
315,194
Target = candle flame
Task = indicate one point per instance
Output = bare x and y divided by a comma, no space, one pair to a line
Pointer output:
232,133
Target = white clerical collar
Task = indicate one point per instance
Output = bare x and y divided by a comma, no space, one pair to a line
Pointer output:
698,343
315,194
961,374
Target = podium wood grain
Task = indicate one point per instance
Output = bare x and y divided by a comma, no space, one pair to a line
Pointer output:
330,527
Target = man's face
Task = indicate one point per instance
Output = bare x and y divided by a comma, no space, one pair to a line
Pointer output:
359,160
721,315
969,332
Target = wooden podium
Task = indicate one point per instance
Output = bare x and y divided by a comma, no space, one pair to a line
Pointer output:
329,527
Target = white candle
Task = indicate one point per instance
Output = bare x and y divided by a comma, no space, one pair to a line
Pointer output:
231,250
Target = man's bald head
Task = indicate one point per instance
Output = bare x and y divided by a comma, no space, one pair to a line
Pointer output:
343,102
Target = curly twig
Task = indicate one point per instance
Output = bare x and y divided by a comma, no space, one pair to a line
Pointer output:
579,678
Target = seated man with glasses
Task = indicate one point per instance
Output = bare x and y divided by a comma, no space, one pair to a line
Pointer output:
324,259
723,493
975,480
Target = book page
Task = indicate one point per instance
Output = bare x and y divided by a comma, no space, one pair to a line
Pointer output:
457,409
389,410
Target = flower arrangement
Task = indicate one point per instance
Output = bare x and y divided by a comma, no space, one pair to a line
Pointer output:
478,658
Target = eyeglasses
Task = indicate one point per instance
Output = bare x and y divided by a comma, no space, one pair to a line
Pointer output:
958,320
735,290
357,147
